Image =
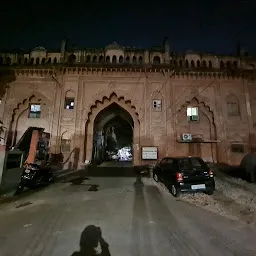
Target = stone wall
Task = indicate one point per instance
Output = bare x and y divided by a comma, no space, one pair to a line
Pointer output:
93,90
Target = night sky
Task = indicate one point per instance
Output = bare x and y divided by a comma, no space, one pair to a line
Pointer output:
198,25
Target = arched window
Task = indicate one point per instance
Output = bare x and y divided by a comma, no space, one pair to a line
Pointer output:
175,62
32,61
50,60
127,60
121,59
134,60
180,63
192,64
114,59
43,60
107,59
19,61
94,59
88,58
101,59
37,61
140,60
26,60
55,60
72,59
187,64
198,64
210,64
69,100
235,64
156,60
228,64
222,65
233,108
204,64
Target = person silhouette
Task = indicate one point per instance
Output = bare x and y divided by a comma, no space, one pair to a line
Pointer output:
90,238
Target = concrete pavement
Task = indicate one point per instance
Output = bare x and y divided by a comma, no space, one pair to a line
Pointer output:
116,164
136,218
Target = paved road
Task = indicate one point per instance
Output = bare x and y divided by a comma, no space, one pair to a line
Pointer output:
135,218
116,164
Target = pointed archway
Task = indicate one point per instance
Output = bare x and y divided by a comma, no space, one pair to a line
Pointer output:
112,134
104,111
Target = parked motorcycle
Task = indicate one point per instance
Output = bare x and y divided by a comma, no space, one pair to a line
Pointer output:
34,176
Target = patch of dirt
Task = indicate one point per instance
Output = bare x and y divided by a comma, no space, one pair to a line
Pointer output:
231,200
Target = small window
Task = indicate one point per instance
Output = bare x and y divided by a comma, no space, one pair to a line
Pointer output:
35,111
114,59
192,114
157,105
237,148
65,145
127,60
107,59
121,59
69,103
233,109
101,59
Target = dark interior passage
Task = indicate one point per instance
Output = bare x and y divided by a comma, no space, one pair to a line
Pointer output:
113,135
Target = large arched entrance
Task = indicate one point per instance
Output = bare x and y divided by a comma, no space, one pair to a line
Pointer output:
112,135
112,124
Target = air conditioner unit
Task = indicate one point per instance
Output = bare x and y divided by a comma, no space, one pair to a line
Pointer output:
186,137
193,118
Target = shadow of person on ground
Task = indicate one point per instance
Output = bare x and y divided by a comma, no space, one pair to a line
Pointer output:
90,240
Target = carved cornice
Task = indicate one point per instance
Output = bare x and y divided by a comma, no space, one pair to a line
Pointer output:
102,71
34,72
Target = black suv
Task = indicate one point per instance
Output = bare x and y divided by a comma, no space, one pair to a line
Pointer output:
185,174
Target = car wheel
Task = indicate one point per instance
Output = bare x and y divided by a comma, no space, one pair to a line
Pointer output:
155,177
174,191
253,176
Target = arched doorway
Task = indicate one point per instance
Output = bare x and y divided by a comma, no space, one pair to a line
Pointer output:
110,109
112,135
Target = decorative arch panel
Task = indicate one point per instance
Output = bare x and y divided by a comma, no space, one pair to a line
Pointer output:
204,130
21,119
100,105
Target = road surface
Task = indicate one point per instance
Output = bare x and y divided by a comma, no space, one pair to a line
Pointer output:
136,218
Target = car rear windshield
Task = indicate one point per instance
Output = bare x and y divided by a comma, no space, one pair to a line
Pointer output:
190,163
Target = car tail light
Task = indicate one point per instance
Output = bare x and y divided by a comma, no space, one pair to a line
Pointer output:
211,173
179,177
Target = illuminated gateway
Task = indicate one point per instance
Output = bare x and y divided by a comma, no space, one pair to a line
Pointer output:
183,104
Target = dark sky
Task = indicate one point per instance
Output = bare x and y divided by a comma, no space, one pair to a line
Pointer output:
199,25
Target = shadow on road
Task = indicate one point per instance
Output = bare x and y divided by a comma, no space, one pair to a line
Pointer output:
142,242
76,177
90,239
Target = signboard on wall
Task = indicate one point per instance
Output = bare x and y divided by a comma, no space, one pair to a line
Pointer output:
149,153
